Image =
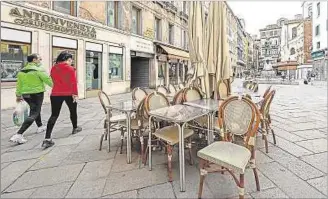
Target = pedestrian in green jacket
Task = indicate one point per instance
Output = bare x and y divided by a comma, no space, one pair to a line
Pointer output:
30,87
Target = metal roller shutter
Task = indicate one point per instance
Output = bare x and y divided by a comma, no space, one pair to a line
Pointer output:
139,72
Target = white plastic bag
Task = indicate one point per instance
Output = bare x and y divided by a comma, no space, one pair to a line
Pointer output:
22,111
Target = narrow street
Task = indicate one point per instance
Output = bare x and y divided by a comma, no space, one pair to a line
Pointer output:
74,168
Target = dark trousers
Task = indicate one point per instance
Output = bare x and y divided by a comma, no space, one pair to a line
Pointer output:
35,102
56,104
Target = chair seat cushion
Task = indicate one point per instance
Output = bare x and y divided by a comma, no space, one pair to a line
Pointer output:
118,118
170,134
226,154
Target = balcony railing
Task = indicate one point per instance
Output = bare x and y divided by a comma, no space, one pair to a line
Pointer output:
171,7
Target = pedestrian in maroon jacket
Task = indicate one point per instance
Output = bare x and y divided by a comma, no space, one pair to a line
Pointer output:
64,89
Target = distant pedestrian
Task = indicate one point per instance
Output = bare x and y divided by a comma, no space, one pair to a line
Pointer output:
30,87
65,89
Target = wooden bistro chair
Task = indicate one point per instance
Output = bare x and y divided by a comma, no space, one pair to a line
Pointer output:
172,90
178,97
223,90
238,117
168,135
181,86
265,119
138,94
162,89
114,123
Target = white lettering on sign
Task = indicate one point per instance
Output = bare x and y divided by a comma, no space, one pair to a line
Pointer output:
142,45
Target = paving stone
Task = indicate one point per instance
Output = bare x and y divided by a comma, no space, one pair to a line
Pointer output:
128,194
295,165
53,158
310,134
320,184
23,155
318,161
18,194
317,145
269,193
68,141
292,148
223,185
88,156
11,173
46,177
135,179
54,191
89,143
287,136
120,164
288,182
4,165
261,157
95,170
33,141
87,189
157,191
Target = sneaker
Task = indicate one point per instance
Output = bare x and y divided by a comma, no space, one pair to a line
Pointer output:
18,138
41,129
47,143
76,130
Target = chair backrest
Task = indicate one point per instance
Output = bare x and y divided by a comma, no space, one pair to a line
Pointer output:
266,92
138,94
141,113
239,117
178,97
104,100
162,90
155,100
181,86
223,90
256,87
265,106
172,89
191,93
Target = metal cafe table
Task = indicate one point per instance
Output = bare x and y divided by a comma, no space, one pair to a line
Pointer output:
180,115
212,106
126,107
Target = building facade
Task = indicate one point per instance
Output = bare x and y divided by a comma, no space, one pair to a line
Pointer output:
256,52
250,52
241,63
320,39
116,45
231,37
270,45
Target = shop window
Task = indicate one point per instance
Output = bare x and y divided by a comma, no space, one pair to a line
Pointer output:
113,14
56,51
136,21
115,67
66,7
13,58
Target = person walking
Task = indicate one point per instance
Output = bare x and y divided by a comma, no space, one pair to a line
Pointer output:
65,89
30,87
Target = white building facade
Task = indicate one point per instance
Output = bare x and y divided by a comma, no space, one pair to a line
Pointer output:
320,39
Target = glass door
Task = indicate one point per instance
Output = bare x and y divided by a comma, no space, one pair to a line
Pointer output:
93,71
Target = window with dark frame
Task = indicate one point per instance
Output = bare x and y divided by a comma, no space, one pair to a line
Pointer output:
318,9
318,45
317,30
113,13
171,34
158,29
136,21
294,32
66,7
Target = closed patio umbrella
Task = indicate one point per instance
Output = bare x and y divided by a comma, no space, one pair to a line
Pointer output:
196,42
217,54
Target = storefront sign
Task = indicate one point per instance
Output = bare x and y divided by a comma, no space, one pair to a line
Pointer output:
318,54
51,23
142,45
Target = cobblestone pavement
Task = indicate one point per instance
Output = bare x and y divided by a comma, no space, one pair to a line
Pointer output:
74,168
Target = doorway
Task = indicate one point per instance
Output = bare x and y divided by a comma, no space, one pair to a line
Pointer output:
93,70
140,72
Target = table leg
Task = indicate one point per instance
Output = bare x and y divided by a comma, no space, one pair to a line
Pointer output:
128,143
149,144
211,126
182,158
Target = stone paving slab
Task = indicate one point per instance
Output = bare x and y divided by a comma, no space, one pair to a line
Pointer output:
295,167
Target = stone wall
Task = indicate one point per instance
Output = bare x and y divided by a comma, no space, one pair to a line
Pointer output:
93,11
